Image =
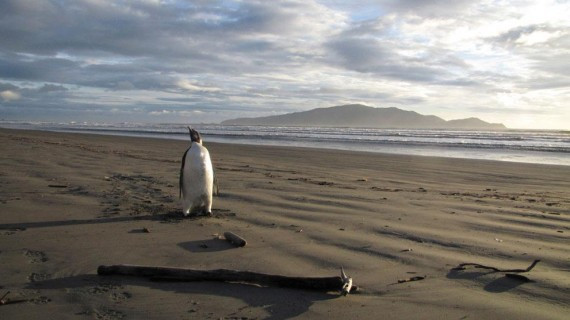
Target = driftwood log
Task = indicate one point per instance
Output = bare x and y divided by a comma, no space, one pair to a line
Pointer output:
463,266
235,239
509,273
342,283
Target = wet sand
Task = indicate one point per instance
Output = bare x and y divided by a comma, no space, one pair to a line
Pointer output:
72,202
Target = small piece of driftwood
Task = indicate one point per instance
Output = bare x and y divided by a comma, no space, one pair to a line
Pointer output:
480,266
235,239
417,278
57,185
9,301
4,300
342,283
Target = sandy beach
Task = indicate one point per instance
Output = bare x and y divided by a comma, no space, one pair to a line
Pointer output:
72,202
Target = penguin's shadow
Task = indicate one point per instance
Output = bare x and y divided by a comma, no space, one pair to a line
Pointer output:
209,245
279,303
169,217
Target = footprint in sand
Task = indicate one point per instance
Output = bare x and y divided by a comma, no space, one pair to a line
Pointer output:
28,296
35,256
40,300
11,231
136,194
102,288
114,291
35,277
109,314
120,296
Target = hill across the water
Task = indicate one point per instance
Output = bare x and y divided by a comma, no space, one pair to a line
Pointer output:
361,116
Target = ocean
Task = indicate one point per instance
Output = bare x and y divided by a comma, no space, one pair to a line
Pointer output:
530,146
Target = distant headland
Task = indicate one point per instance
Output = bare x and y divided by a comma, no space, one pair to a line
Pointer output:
361,116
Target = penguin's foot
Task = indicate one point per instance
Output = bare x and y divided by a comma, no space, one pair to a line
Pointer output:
204,213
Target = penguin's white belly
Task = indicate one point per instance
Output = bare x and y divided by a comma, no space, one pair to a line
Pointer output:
198,181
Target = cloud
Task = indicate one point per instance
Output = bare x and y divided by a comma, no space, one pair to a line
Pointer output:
376,57
9,95
123,85
374,47
430,8
46,88
539,36
529,35
22,67
183,113
190,86
8,86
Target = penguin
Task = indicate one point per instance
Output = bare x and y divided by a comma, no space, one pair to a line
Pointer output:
196,182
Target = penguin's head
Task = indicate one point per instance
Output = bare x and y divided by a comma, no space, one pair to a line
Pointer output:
195,136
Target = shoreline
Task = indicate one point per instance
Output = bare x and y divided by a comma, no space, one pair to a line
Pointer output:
70,202
324,148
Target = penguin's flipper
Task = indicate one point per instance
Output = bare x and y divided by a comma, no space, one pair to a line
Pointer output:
181,178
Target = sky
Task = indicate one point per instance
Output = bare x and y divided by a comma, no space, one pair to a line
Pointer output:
169,61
